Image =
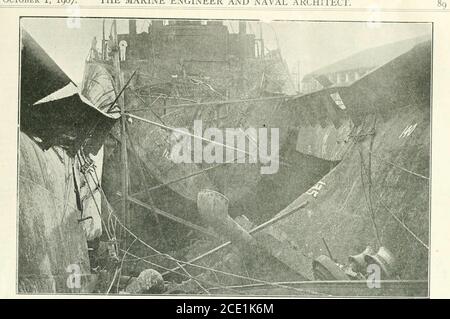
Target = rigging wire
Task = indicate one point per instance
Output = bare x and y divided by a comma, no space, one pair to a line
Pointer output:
337,283
149,107
399,167
366,170
198,283
202,267
112,227
404,226
165,127
369,201
113,103
215,103
268,283
93,197
368,198
108,228
398,220
227,273
118,270
203,171
368,190
173,217
206,282
254,230
121,265
144,180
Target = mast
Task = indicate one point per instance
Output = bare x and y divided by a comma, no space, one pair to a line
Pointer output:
261,40
123,140
103,40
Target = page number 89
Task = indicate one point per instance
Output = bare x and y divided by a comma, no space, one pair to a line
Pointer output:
442,4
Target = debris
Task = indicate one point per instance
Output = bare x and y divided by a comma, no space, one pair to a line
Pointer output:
386,260
358,262
149,281
325,268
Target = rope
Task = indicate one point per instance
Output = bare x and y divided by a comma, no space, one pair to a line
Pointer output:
121,264
252,231
172,217
67,178
213,103
369,201
386,161
404,226
93,197
203,171
127,251
150,107
237,276
401,223
382,203
203,267
179,262
110,229
399,167
214,284
339,283
368,195
144,180
165,127
163,96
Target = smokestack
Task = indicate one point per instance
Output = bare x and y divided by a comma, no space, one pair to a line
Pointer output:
132,27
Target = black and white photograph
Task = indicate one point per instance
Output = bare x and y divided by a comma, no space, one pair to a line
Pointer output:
207,157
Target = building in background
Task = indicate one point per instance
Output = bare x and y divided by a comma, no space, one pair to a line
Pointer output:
350,69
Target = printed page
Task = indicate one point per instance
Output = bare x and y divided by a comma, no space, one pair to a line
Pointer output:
233,148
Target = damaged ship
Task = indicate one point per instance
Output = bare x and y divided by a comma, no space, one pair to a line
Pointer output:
352,189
